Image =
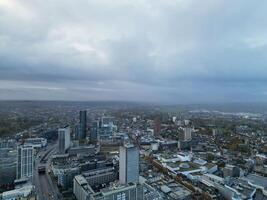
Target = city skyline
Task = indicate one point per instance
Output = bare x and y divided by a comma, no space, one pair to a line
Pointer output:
165,51
133,100
137,152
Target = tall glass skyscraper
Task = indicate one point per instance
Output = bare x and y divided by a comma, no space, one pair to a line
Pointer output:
129,164
94,131
83,121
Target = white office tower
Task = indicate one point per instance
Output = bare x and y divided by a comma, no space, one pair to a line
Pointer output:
25,161
187,134
63,139
129,164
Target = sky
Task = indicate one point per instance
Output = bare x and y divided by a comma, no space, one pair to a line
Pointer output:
165,51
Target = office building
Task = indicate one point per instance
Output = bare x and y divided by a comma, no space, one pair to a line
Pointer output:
82,150
107,121
77,130
94,131
25,192
107,127
231,171
83,125
101,176
157,126
7,143
81,188
83,191
185,139
131,191
25,161
63,139
36,142
186,135
129,164
65,177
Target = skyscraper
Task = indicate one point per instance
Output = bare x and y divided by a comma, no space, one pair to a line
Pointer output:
83,125
129,164
186,135
94,131
185,138
157,126
63,139
77,130
24,161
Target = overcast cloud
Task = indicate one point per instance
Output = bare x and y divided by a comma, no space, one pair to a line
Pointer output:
176,51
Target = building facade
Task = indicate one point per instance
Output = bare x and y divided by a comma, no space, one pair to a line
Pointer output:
83,191
83,124
129,164
63,139
131,191
157,126
101,176
186,135
94,131
25,159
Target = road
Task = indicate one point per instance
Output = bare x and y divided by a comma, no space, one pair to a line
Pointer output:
45,188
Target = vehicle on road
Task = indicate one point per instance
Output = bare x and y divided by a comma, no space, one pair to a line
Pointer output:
41,169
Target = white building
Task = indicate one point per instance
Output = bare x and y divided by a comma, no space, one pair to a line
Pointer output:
25,161
20,193
63,139
187,134
81,188
83,191
36,142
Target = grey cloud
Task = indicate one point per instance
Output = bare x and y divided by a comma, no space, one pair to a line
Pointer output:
171,51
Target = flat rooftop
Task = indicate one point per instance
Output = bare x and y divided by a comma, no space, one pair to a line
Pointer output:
257,180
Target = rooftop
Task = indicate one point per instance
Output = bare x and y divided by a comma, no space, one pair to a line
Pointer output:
257,180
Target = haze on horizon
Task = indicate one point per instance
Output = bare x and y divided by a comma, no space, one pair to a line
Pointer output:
177,51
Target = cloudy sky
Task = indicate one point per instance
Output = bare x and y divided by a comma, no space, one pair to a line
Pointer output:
171,51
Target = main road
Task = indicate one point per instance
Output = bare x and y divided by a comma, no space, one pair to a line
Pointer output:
45,188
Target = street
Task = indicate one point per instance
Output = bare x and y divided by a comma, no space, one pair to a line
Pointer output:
44,186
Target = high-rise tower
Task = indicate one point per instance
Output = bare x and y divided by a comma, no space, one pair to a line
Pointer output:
157,126
63,139
25,161
129,164
83,124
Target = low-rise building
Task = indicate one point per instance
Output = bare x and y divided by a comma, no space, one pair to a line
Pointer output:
20,193
83,191
231,171
100,176
36,142
65,177
86,150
